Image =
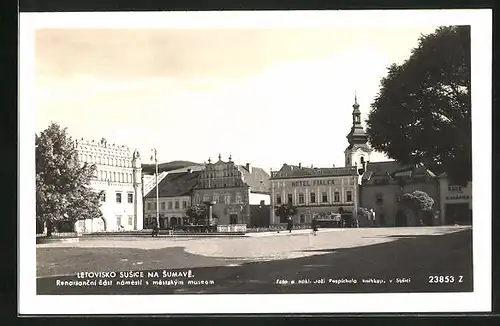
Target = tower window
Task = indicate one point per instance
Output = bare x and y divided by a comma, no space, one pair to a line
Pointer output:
290,198
313,197
324,196
301,198
278,199
336,196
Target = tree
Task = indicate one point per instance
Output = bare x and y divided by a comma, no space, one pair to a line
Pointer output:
364,213
422,113
417,201
197,212
284,211
63,193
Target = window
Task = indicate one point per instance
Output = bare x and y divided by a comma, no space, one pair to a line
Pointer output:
313,197
169,205
118,197
184,204
290,198
216,198
302,218
103,196
130,198
278,199
149,206
176,205
163,206
238,198
206,197
114,176
122,177
324,197
227,199
118,221
349,196
351,181
336,196
301,198
130,219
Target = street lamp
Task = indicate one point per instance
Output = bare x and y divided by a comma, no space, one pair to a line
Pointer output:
154,156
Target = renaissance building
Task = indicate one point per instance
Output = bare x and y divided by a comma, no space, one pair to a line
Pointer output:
118,176
234,189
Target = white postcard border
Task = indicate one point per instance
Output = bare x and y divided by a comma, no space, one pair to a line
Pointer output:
477,301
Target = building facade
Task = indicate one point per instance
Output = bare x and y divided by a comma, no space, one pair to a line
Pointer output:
175,192
233,188
314,191
456,202
118,176
381,190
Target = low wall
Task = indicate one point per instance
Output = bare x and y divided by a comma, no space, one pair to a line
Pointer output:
232,228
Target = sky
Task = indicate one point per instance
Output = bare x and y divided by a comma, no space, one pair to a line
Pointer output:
263,96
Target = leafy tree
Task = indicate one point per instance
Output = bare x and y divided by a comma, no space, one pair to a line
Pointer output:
417,201
364,213
284,211
422,113
197,212
63,193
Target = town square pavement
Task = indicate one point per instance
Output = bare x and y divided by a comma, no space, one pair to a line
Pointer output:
379,259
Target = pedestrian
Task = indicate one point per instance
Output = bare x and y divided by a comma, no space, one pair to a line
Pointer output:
290,225
155,228
372,213
314,225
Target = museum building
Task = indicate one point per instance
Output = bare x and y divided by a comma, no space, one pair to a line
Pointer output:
118,176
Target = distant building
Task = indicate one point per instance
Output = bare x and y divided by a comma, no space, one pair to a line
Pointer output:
118,175
383,184
175,192
233,188
456,202
314,191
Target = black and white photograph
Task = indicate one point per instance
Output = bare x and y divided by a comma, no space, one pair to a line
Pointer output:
286,161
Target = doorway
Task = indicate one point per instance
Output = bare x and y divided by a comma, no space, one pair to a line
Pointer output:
233,219
458,214
401,219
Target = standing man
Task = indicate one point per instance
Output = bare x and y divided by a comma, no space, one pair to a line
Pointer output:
290,224
155,228
314,225
372,213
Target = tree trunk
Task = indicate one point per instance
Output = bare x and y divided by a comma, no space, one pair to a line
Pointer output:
49,228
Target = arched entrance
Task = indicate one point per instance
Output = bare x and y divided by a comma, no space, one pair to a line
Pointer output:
233,219
174,221
401,219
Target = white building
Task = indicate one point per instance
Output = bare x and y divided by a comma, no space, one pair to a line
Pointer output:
455,202
118,175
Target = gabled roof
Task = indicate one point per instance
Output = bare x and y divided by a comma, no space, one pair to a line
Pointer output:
388,167
294,171
175,185
257,178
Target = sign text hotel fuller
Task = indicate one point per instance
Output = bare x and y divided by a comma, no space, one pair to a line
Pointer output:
308,183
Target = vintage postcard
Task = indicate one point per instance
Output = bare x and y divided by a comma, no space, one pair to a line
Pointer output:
287,161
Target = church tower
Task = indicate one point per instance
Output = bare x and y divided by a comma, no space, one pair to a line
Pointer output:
358,152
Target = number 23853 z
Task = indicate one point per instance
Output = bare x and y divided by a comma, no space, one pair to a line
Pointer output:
441,279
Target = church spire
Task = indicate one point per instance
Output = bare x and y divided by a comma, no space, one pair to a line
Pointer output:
357,135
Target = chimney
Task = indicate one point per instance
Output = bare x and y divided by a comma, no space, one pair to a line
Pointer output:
248,167
300,165
189,170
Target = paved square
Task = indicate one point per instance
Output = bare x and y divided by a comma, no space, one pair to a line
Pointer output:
252,264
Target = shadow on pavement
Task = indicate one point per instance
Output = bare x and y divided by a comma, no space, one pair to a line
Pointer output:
408,264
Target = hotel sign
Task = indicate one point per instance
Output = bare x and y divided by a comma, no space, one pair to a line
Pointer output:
308,183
